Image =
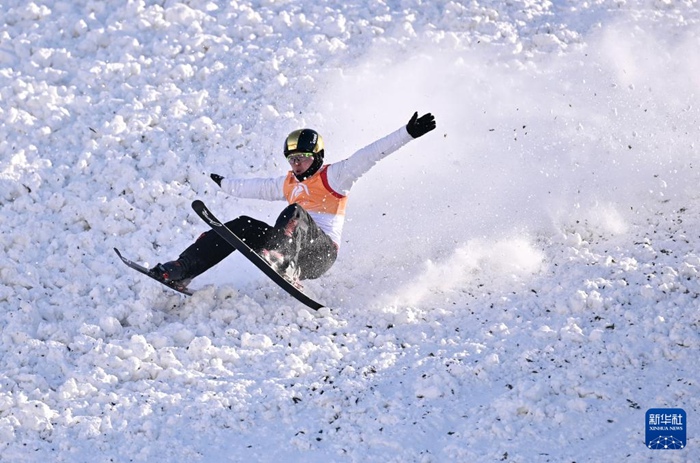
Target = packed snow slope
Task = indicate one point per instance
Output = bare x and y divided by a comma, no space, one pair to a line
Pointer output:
519,285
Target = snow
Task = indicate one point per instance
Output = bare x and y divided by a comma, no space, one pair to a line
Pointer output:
519,285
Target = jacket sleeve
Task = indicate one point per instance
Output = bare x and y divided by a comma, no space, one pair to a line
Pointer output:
342,175
270,189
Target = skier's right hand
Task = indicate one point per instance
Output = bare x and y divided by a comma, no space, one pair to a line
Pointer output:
217,178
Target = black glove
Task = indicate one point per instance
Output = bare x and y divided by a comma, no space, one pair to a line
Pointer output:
417,127
217,178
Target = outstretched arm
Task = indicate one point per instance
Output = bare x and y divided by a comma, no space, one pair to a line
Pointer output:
255,188
342,175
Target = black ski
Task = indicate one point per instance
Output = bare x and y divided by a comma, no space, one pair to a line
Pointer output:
252,256
177,287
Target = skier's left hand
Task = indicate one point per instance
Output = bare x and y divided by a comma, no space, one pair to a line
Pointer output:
419,126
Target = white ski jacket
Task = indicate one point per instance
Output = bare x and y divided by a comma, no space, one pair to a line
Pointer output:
337,178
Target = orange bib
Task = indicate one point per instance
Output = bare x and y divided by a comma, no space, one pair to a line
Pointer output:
324,205
314,194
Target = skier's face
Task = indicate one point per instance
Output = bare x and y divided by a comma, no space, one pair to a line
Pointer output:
300,164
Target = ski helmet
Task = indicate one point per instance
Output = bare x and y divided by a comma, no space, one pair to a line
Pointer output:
305,141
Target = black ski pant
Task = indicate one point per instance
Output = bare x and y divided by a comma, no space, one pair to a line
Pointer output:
295,234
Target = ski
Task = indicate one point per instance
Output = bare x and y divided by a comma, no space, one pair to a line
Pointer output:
139,268
252,256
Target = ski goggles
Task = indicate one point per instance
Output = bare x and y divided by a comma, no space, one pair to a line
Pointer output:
298,157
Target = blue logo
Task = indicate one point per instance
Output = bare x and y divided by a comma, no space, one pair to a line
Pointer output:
666,428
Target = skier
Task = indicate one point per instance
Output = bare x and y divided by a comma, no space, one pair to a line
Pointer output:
304,242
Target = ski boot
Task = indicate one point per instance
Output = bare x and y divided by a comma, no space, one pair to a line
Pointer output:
174,272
